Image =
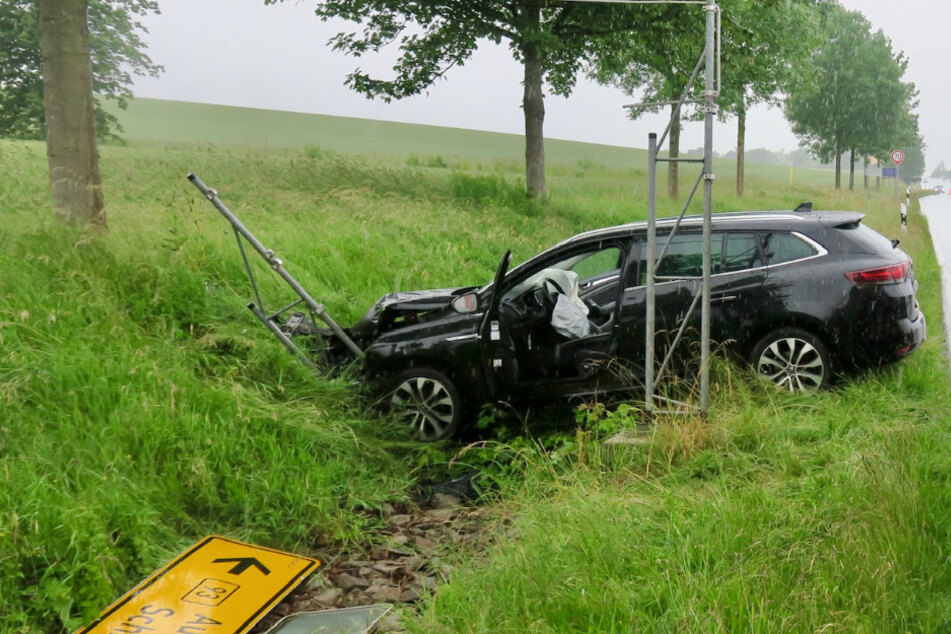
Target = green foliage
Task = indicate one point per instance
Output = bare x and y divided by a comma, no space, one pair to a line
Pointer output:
762,45
434,37
765,46
117,52
856,99
913,145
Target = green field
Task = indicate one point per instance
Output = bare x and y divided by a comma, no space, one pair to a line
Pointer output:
143,407
163,122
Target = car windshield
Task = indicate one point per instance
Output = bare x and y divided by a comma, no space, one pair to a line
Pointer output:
536,278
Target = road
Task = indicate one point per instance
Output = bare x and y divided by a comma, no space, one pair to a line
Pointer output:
937,209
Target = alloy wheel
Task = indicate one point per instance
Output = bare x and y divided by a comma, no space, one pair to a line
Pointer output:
426,405
792,363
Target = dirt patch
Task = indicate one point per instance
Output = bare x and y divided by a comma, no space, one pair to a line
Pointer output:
406,564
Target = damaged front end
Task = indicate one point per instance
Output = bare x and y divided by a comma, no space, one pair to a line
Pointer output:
406,308
412,349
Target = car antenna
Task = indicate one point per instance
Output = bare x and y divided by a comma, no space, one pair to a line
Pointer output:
806,206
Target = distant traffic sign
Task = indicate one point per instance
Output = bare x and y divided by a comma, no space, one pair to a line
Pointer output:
889,172
897,157
219,585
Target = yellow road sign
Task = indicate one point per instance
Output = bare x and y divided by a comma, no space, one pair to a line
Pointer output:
219,586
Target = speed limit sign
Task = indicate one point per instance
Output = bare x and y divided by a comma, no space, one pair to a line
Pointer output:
897,157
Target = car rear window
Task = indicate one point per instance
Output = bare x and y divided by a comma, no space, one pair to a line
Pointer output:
862,239
782,246
742,253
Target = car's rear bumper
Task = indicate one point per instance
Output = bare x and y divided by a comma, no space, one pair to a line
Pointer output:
899,341
915,332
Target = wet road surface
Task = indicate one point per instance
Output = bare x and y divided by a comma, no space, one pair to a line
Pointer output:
937,209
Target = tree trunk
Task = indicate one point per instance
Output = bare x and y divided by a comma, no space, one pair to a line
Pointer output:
533,105
740,148
70,118
673,182
838,166
851,169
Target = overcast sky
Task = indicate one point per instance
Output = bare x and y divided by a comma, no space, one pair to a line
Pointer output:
242,53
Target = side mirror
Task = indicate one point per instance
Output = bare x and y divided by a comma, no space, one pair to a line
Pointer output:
464,304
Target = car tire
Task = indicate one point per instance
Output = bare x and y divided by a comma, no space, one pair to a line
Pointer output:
427,402
793,359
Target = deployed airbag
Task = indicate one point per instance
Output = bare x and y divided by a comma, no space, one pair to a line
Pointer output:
570,316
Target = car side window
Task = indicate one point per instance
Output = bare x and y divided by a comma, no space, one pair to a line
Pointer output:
598,264
742,253
596,267
684,257
782,246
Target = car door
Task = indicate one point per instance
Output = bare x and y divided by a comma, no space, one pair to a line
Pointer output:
526,356
737,274
736,297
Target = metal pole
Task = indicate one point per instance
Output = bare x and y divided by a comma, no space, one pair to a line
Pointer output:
709,95
276,264
650,324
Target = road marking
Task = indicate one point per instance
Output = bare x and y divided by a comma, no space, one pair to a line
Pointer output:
218,586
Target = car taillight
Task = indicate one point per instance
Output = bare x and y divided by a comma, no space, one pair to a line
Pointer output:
882,275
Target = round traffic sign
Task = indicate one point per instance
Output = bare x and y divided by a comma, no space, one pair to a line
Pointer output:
897,156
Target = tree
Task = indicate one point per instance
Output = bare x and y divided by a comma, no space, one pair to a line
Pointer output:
117,51
856,100
761,40
550,39
659,68
941,171
70,117
763,47
913,168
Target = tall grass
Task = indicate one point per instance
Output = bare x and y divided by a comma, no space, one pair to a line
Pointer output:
779,514
142,407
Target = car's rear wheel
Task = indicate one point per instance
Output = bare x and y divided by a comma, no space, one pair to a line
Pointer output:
427,402
793,359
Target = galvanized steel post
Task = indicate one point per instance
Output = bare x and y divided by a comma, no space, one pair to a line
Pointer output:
710,107
650,322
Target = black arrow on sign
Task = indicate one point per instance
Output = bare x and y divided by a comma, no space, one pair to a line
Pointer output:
242,563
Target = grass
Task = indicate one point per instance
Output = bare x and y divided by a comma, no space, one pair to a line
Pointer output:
143,407
782,513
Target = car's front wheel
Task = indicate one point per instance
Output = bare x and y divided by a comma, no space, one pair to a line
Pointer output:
427,402
793,359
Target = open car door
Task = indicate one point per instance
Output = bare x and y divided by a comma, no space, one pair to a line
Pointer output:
498,355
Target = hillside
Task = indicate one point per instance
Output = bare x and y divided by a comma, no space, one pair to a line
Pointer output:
161,121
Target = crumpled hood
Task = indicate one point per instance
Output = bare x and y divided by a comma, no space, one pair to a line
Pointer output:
419,300
385,310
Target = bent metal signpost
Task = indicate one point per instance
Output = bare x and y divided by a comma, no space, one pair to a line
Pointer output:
219,586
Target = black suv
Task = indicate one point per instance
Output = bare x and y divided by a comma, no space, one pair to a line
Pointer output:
795,294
